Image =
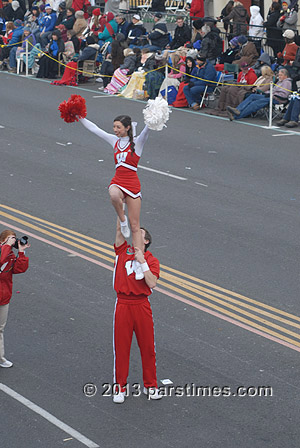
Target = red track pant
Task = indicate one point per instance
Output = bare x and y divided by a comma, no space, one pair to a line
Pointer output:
134,316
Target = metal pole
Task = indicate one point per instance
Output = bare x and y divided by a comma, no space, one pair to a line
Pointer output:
271,105
26,47
166,77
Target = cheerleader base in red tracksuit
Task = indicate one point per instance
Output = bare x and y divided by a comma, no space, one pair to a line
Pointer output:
133,314
126,177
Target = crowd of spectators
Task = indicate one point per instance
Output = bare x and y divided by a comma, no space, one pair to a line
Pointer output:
131,61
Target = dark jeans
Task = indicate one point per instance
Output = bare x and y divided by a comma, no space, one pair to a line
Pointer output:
193,94
252,104
292,114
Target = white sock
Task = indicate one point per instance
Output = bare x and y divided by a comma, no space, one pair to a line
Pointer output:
124,223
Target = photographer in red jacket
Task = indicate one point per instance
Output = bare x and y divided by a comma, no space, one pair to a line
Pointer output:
9,264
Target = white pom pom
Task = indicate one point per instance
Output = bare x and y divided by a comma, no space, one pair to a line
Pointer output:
156,114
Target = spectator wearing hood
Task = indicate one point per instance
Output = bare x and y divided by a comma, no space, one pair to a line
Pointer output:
135,30
13,11
248,52
49,66
201,75
289,52
288,17
211,45
239,17
80,23
264,60
110,29
159,37
256,23
182,34
17,51
46,27
274,39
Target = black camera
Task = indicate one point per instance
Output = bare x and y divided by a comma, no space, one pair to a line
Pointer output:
22,240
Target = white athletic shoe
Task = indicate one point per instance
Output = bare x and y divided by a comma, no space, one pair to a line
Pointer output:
99,80
125,230
119,398
139,274
152,393
6,363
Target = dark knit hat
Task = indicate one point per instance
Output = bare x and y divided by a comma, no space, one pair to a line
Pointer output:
242,40
18,23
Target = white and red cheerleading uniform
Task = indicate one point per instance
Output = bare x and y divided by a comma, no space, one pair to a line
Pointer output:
126,161
133,314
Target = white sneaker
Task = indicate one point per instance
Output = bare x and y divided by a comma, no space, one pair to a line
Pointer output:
99,80
125,230
119,398
6,363
139,274
101,88
152,393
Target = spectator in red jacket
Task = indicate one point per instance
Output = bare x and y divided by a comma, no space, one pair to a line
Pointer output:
196,8
10,264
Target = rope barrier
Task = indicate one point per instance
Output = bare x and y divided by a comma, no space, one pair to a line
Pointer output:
159,68
11,45
82,71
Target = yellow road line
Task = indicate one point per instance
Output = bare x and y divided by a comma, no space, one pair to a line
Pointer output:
39,229
167,268
53,225
181,282
232,293
212,296
240,318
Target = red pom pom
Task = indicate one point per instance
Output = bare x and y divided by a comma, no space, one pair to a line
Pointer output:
73,109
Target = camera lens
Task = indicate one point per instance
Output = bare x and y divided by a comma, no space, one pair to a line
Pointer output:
24,240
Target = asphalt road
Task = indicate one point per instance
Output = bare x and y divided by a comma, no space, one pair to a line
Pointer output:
226,231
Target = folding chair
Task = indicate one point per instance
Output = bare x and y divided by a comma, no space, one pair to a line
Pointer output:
231,68
88,68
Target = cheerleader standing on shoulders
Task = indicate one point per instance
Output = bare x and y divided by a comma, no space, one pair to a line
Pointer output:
125,185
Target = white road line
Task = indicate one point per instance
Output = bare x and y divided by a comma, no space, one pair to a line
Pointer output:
162,172
2,127
62,144
286,134
203,185
72,432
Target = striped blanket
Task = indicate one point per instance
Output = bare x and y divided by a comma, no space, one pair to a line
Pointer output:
118,81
